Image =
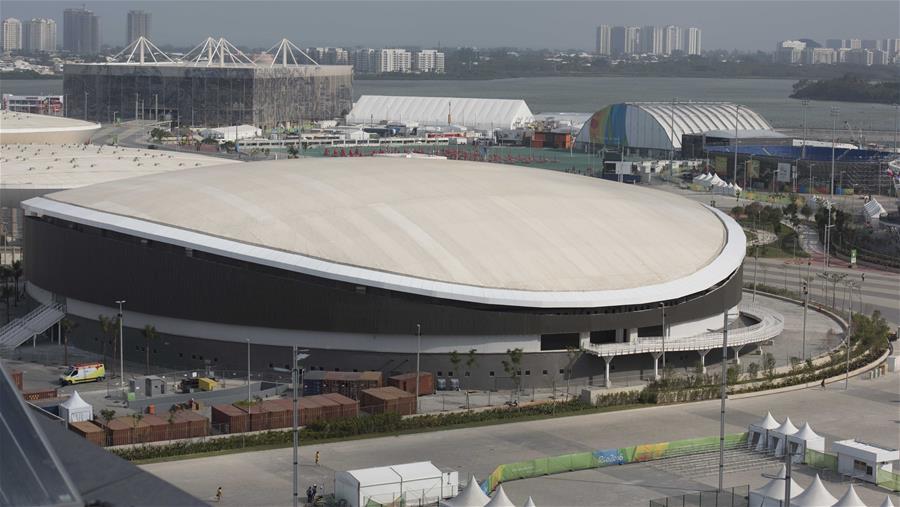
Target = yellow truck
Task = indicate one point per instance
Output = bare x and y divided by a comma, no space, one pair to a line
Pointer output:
84,372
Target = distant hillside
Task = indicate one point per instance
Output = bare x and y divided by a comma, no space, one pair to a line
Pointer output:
848,88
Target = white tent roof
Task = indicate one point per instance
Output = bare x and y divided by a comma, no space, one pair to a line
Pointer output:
806,433
75,402
815,496
786,428
873,209
850,499
887,502
766,423
738,189
471,496
716,180
469,112
530,503
500,499
703,177
774,489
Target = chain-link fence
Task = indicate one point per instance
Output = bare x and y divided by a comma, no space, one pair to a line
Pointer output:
738,496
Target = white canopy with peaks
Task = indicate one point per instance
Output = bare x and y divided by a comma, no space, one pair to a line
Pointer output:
815,496
759,431
778,437
76,409
500,499
850,499
805,439
772,494
471,496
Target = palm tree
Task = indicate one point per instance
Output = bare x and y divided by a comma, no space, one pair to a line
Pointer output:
67,327
107,326
150,334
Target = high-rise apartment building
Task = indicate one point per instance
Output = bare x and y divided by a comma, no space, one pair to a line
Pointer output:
673,41
617,41
12,34
632,40
604,40
835,44
393,60
692,45
860,57
428,60
651,38
138,25
81,31
39,35
329,56
854,44
789,51
363,60
817,56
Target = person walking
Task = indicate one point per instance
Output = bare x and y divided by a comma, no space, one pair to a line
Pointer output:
317,458
823,383
309,495
219,494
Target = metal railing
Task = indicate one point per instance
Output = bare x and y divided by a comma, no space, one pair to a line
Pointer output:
770,324
36,322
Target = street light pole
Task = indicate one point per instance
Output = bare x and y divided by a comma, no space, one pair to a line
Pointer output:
418,352
722,396
662,307
248,372
121,302
805,306
834,114
295,374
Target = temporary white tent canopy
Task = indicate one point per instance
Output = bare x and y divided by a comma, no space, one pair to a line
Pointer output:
500,499
815,496
76,409
772,494
530,503
850,499
471,496
887,502
759,431
473,113
805,439
420,482
778,437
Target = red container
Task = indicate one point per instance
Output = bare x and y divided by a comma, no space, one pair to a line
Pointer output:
279,414
349,407
407,382
126,430
230,419
90,431
389,399
198,426
310,410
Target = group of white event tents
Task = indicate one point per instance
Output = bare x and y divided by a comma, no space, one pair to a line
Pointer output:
768,435
816,495
473,496
717,185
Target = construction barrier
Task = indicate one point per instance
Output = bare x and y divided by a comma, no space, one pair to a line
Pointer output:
604,457
888,480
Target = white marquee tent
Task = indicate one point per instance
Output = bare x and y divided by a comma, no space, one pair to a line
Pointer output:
530,503
500,499
815,496
850,499
76,409
481,114
420,482
887,502
805,439
778,437
759,431
471,496
772,494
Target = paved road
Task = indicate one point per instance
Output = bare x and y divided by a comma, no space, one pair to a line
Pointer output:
263,478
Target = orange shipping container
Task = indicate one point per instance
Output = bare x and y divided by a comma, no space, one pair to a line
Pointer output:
230,419
386,400
198,426
90,431
407,382
349,407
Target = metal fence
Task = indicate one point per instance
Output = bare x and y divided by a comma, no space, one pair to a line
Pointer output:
738,496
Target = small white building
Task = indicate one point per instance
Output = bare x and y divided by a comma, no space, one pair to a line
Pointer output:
75,409
861,460
417,483
232,133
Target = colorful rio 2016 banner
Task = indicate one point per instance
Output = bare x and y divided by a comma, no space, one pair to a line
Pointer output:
602,458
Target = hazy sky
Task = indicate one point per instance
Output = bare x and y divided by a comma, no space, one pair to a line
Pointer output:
726,24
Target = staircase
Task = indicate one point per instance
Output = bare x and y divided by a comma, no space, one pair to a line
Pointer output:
20,330
706,462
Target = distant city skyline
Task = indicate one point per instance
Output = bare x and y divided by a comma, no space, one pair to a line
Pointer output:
485,24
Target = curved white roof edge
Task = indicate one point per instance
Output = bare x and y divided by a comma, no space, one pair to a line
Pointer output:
38,130
729,259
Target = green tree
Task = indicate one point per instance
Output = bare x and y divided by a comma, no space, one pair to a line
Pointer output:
768,364
471,359
108,328
806,211
753,370
572,356
150,334
107,415
455,360
511,365
293,151
135,420
67,326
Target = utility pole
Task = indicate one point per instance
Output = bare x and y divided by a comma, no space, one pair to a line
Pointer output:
296,425
805,305
849,336
662,307
788,461
85,105
803,146
418,352
248,374
121,302
737,118
722,396
834,114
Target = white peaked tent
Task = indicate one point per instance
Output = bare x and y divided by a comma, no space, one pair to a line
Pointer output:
737,189
76,409
815,496
850,499
778,437
500,499
772,494
759,432
887,502
805,439
716,181
471,496
530,503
